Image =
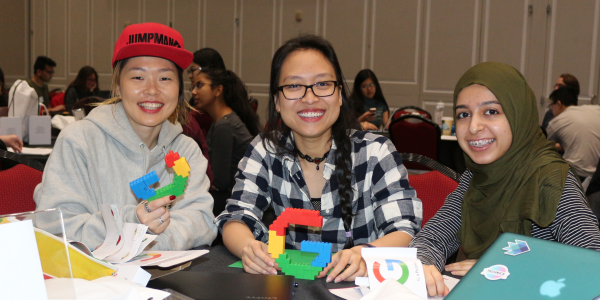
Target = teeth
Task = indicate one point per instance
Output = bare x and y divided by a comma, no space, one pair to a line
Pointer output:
481,143
311,114
150,105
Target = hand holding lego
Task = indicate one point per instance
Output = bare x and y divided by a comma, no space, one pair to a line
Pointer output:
154,214
434,281
256,260
348,259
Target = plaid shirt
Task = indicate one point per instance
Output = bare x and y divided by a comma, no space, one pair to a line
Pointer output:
383,200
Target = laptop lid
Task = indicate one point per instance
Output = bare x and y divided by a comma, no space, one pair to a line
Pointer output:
521,267
208,285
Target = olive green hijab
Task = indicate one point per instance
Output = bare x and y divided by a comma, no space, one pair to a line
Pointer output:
525,184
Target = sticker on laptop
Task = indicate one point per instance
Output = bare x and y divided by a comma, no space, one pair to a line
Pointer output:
516,248
496,272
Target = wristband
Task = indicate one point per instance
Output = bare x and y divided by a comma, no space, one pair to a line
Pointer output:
368,245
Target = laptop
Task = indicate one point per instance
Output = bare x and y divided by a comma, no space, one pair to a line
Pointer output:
208,285
521,267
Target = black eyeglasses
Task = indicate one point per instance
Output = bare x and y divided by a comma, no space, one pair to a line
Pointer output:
190,70
298,91
197,85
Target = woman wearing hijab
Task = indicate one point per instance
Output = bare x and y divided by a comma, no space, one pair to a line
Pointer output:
515,180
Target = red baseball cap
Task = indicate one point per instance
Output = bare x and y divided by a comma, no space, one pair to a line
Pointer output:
152,39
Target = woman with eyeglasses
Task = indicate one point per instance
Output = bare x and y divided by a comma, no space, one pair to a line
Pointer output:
314,156
222,95
84,85
368,101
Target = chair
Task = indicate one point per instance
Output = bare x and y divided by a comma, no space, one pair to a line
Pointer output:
18,184
432,187
410,110
415,134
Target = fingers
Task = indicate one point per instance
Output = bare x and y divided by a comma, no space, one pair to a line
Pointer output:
154,215
256,260
461,268
434,281
351,261
160,202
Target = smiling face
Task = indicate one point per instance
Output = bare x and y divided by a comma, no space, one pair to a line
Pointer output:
311,116
482,128
368,88
149,87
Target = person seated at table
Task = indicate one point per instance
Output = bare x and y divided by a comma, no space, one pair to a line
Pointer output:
367,94
128,137
312,155
84,85
515,179
223,95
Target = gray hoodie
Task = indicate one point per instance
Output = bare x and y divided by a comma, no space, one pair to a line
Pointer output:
93,162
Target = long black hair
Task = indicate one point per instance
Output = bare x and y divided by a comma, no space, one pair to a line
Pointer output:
277,132
235,95
356,98
209,58
80,82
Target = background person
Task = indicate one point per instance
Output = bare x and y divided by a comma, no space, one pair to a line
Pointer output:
312,156
222,95
84,85
576,131
43,71
128,137
515,179
367,94
3,90
565,79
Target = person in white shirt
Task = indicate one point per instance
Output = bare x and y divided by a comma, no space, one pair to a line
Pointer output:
576,131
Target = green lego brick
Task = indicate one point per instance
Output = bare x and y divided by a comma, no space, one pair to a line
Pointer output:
297,264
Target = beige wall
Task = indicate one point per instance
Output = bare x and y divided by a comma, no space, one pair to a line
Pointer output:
418,48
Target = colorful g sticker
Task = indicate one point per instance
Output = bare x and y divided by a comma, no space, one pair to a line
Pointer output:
390,267
516,248
496,272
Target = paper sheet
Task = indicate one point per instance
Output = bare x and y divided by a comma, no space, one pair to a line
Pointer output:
33,151
114,232
357,293
133,234
165,258
21,276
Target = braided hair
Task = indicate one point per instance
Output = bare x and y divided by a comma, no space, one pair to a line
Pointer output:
277,132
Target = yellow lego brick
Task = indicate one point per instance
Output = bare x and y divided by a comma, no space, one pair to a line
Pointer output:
276,244
181,167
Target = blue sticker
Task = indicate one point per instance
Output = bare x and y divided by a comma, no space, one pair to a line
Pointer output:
516,248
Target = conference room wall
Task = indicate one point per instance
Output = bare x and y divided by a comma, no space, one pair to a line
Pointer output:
418,48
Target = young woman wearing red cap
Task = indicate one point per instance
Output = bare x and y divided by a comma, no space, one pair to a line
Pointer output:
127,137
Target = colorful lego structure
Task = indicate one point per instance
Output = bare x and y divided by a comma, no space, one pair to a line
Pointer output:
312,257
141,186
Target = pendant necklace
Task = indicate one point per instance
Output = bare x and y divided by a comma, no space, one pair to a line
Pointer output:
316,160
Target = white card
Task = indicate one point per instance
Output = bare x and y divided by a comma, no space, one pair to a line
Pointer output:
21,276
39,130
11,125
399,264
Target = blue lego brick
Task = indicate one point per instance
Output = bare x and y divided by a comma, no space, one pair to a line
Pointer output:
323,249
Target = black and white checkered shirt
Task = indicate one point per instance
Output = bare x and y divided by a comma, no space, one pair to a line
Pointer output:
383,200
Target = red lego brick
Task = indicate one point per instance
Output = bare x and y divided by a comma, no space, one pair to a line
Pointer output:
170,158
